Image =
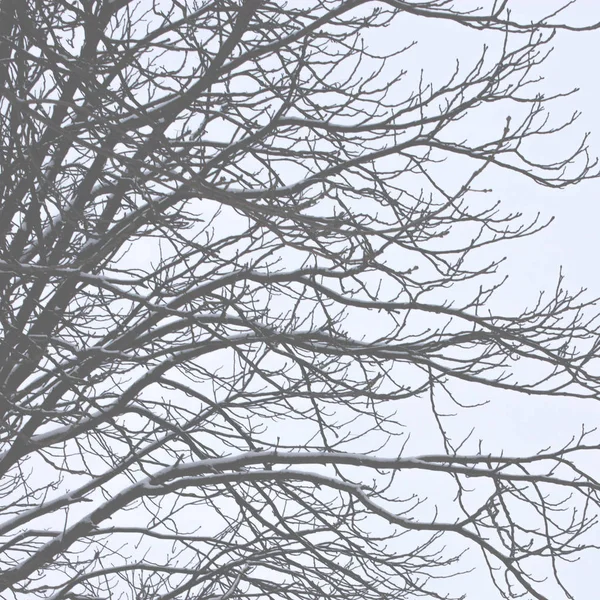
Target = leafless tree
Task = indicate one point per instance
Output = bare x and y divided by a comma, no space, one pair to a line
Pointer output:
240,242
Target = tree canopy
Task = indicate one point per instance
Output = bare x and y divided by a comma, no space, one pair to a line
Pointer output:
240,241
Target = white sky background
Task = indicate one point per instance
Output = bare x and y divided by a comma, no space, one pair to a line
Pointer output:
571,241
516,422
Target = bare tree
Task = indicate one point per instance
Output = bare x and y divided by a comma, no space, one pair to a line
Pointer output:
239,244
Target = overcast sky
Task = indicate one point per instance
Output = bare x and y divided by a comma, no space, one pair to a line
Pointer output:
517,423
